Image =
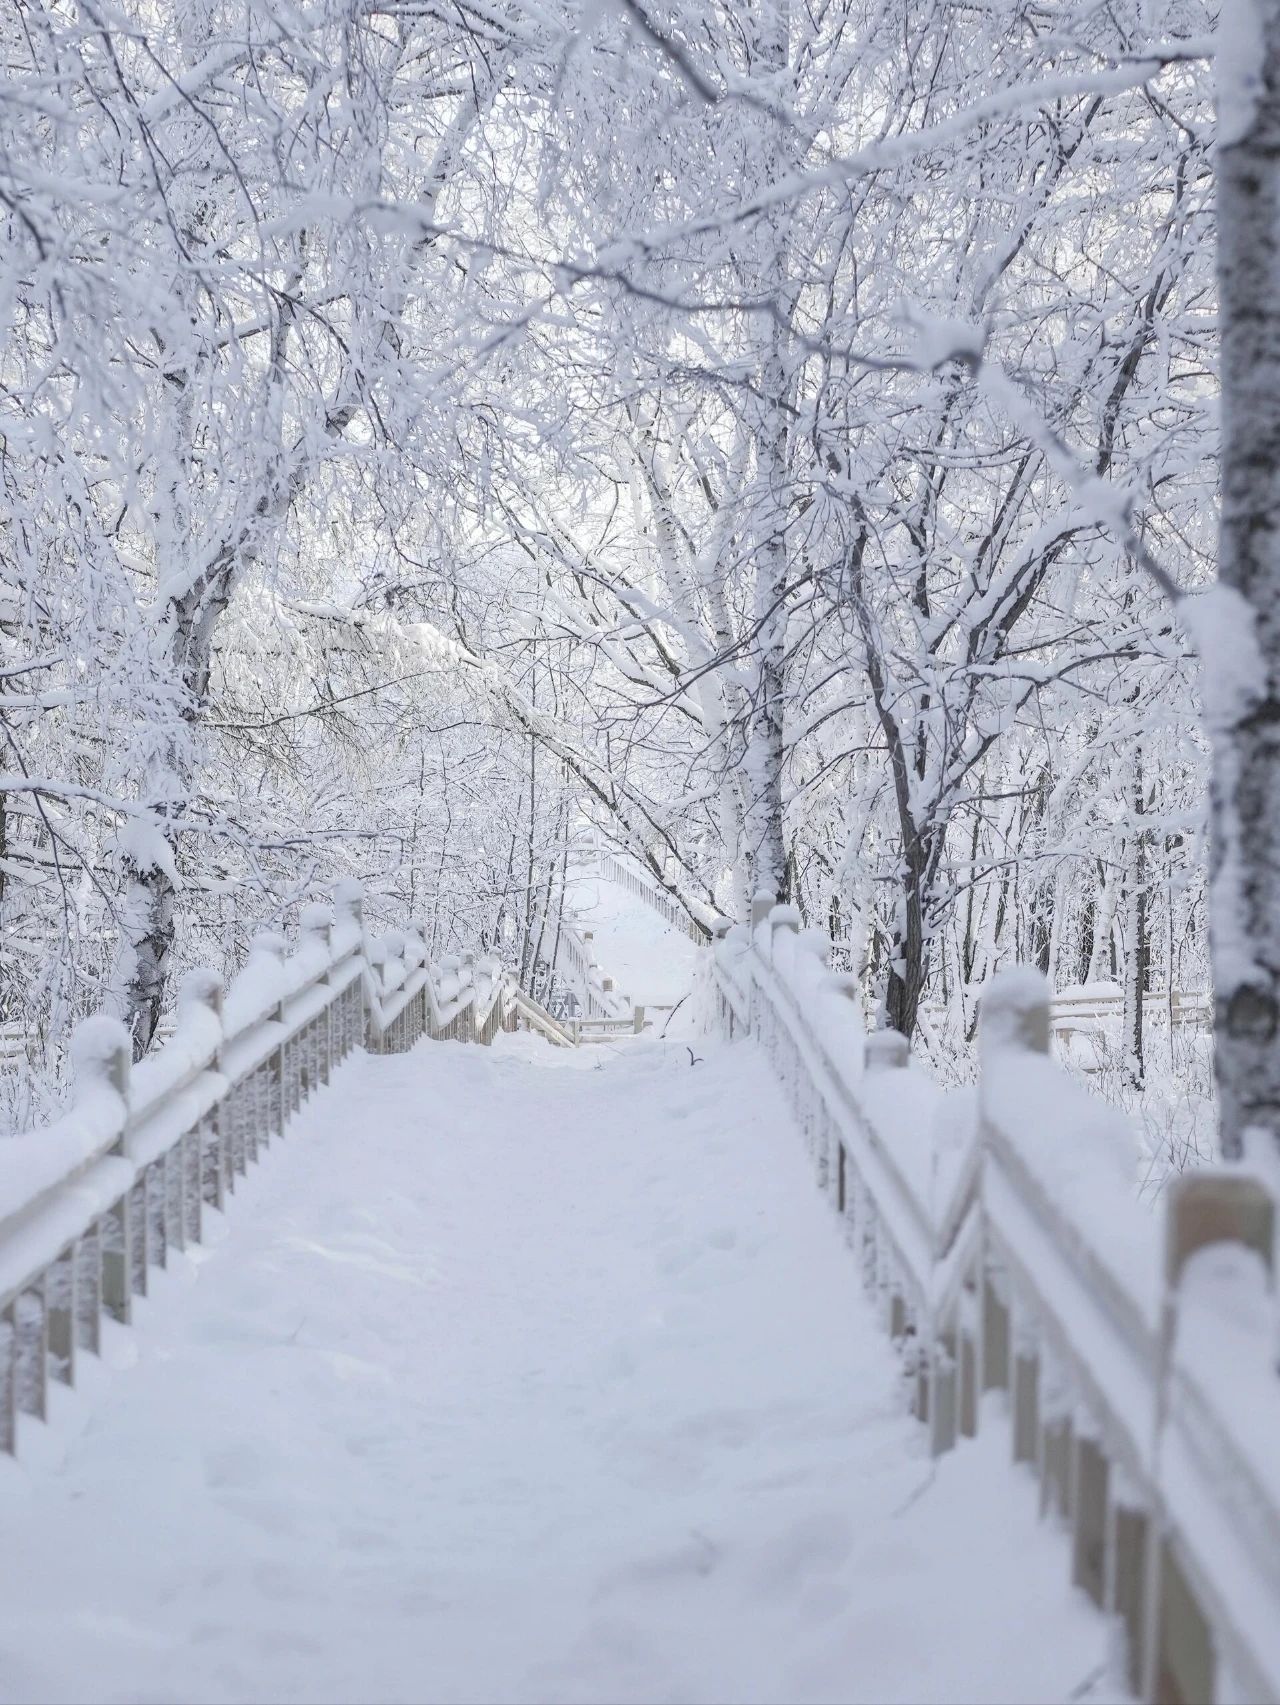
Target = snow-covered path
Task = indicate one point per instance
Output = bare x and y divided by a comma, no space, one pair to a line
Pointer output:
524,1376
649,961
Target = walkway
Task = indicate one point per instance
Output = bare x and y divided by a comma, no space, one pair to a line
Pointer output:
523,1376
648,960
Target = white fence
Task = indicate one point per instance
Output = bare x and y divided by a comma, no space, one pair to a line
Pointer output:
91,1203
652,895
1132,1355
575,960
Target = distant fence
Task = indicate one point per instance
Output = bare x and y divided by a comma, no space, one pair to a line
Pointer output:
575,959
91,1203
1133,1355
652,895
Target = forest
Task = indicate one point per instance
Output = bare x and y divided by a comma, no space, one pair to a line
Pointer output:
640,851
779,443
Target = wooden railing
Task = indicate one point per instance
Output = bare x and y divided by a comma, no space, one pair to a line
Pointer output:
575,958
1133,1355
1085,1011
653,896
1183,1008
89,1205
630,1023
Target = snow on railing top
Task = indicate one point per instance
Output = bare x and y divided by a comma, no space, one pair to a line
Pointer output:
1001,1230
90,1201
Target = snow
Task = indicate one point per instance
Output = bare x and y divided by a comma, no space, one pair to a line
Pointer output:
1233,675
521,1374
650,961
939,340
1239,52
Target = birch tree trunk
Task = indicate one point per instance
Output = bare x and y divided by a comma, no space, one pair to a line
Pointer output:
1241,643
1136,944
766,845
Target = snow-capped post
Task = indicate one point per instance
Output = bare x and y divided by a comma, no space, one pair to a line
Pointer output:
783,931
200,1018
887,1050
818,943
264,968
468,1025
637,1019
315,931
200,1005
375,952
1015,1012
101,1058
1206,1208
1014,1020
762,903
348,907
1216,1207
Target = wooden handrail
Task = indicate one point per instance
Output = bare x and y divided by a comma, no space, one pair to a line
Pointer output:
89,1204
1012,1257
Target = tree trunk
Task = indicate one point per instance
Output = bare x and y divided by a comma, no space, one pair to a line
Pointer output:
766,841
908,960
1240,643
146,942
1137,943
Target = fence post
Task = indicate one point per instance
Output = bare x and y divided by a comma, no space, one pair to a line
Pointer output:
266,954
1014,1016
1203,1209
348,905
315,930
468,1027
266,951
1026,1390
887,1050
762,904
782,919
637,1019
1091,1510
348,918
101,1058
201,994
1128,1549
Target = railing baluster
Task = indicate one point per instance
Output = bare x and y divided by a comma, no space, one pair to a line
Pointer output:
31,1329
1127,1586
60,1303
138,1218
154,1194
8,1382
115,1231
1090,1513
174,1167
89,1289
213,1169
193,1150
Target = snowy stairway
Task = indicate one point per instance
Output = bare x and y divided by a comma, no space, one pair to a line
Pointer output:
523,1374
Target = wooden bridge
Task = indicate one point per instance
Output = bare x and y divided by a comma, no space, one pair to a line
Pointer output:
556,1381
